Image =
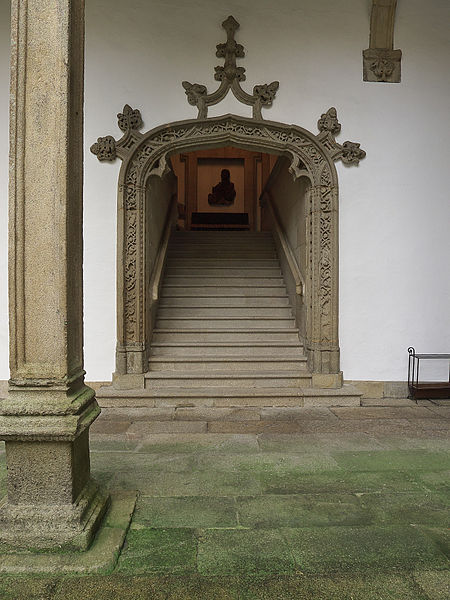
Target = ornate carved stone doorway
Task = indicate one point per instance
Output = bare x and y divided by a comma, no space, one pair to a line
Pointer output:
146,154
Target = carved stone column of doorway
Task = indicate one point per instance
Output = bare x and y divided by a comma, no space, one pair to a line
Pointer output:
51,499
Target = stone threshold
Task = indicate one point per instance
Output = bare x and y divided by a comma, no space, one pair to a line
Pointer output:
100,558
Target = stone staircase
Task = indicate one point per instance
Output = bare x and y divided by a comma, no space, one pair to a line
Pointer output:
225,335
224,328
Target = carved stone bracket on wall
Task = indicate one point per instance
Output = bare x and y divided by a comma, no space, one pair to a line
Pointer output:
230,77
380,61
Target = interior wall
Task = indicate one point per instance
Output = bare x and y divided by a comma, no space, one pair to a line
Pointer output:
158,196
394,209
288,198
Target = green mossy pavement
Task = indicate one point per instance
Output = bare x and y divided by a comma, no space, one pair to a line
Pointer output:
335,516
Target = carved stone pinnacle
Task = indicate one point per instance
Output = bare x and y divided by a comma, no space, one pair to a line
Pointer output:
230,76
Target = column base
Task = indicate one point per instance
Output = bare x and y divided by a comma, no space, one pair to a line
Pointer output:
53,526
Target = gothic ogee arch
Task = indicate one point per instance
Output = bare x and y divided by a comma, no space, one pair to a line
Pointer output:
311,155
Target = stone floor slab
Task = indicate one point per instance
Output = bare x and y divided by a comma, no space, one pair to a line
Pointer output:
200,442
393,402
317,442
436,480
382,586
141,430
434,584
158,550
399,460
441,411
330,482
253,427
429,425
302,510
407,508
198,483
111,587
27,588
200,512
363,549
383,412
243,551
296,414
395,442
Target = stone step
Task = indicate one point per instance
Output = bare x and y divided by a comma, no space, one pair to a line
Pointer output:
255,323
220,312
210,349
225,335
224,282
229,379
230,254
223,272
224,242
215,291
215,234
214,396
223,239
223,262
230,363
223,301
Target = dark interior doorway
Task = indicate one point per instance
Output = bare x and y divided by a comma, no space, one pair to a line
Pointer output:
218,189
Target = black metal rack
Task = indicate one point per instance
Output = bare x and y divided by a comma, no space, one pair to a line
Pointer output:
427,389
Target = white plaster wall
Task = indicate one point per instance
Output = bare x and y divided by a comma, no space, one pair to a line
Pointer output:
394,208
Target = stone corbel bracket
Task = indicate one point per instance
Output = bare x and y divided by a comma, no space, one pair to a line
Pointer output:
230,77
349,152
107,149
381,63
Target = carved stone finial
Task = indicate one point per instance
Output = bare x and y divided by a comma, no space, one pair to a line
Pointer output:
329,122
231,26
105,148
230,77
266,92
352,153
349,152
194,91
130,119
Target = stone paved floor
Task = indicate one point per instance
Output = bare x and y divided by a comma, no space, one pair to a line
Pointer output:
347,503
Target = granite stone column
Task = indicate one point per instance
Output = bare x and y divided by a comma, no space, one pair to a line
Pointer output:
51,499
